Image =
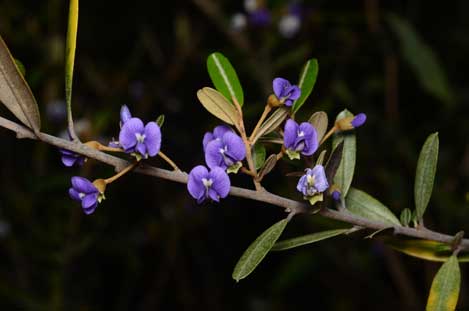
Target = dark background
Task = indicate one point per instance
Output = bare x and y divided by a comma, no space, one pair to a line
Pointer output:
149,246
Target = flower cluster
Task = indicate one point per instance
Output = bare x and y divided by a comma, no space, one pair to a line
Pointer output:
135,138
224,152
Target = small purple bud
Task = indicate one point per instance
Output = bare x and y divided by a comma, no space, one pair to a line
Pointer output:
336,195
70,158
84,191
358,120
125,114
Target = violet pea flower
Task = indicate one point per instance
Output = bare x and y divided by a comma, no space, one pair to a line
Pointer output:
226,152
203,185
70,158
313,184
298,139
141,140
285,91
85,191
218,133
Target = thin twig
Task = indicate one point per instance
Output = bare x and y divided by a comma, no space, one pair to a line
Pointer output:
261,196
168,160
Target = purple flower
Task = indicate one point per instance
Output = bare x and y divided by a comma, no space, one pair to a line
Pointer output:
225,152
70,158
142,140
335,195
286,92
260,17
358,120
218,133
85,191
203,184
125,114
300,138
313,182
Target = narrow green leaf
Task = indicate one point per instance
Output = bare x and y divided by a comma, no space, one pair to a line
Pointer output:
15,93
421,59
258,155
268,165
425,174
444,292
424,249
258,250
319,120
272,122
344,175
224,77
160,120
362,204
406,217
70,48
218,105
307,239
307,81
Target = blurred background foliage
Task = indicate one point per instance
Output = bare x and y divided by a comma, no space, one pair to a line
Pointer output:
149,246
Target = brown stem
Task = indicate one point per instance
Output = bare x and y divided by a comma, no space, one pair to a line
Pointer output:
267,109
121,173
261,196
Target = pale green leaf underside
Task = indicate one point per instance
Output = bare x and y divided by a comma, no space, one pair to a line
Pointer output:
444,292
364,205
258,250
218,105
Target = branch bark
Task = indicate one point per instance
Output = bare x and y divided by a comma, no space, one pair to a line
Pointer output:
261,195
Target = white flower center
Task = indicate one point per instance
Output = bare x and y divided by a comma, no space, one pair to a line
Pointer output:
81,195
207,182
310,180
140,137
301,134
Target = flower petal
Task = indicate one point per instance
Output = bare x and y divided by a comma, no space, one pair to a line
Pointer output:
152,138
213,156
74,194
127,137
68,160
208,137
221,130
195,185
91,209
142,149
311,138
359,120
290,133
235,146
221,182
279,85
295,92
213,195
125,114
320,180
81,184
89,200
301,186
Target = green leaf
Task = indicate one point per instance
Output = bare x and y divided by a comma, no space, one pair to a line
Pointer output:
319,120
425,249
258,155
344,175
218,105
272,123
334,161
421,59
258,250
160,120
444,292
362,204
307,239
406,217
425,174
307,81
70,48
15,93
224,77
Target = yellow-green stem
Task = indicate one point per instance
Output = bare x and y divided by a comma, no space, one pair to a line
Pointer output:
329,134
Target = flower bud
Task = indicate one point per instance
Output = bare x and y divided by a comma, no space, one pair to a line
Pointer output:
274,102
349,123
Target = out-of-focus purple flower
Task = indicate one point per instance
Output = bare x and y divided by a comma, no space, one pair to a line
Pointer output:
70,158
285,92
125,114
238,21
251,5
226,152
298,139
56,110
114,144
84,191
313,182
203,185
218,133
142,140
260,17
349,123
